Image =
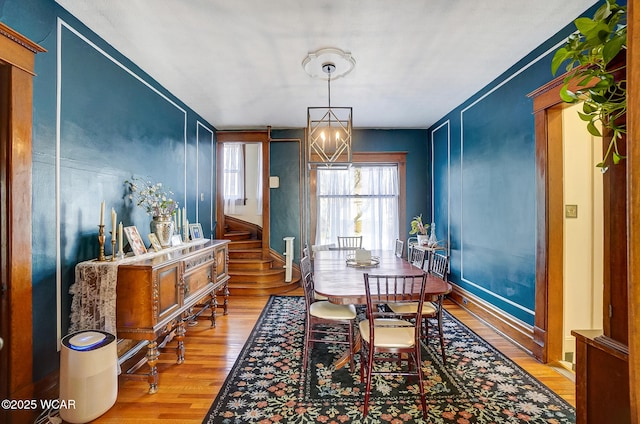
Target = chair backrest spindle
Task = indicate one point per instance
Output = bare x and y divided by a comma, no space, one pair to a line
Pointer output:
399,249
417,257
349,242
439,265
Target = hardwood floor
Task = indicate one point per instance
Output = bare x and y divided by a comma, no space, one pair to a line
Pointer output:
186,391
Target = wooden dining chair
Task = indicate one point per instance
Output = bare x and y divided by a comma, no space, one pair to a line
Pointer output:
349,242
305,266
417,257
411,243
437,265
326,322
389,337
399,249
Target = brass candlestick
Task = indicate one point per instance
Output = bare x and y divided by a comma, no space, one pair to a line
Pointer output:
101,239
113,247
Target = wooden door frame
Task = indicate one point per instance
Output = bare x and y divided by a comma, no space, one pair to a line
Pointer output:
548,327
17,57
548,324
262,137
633,204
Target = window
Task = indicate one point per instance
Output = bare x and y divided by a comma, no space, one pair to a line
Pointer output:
233,190
360,200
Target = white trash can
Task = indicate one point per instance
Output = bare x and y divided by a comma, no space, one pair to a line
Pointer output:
88,375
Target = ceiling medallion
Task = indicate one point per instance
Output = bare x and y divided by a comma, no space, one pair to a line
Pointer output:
343,62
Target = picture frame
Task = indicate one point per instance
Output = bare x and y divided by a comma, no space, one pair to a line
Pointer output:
176,240
195,231
135,241
155,243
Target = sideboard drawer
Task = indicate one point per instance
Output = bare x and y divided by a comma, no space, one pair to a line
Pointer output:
197,280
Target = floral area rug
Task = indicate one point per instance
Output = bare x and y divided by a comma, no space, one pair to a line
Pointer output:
477,384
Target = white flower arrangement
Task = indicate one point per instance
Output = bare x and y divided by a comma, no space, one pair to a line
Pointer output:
152,197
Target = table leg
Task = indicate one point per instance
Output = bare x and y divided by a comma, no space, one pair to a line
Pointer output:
344,359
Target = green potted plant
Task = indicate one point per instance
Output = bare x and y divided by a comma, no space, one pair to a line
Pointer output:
589,55
419,229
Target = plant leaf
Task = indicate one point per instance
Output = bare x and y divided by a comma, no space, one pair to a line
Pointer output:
597,97
567,96
617,158
613,47
585,117
602,85
558,58
585,25
588,107
591,127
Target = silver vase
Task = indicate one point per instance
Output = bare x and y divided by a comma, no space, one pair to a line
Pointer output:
162,227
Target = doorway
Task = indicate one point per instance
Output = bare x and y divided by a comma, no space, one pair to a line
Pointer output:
258,143
583,238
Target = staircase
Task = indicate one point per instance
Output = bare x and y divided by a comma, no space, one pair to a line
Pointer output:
250,273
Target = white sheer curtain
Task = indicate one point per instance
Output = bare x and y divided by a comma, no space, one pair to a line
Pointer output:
233,191
365,193
259,183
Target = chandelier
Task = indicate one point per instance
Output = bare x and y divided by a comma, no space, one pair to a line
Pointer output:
329,128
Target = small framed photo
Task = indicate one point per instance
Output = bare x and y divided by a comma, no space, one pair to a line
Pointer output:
176,240
195,231
155,243
135,241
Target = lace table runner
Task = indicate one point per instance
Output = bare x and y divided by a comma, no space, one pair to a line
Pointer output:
94,291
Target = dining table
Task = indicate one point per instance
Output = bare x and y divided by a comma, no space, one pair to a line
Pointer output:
340,278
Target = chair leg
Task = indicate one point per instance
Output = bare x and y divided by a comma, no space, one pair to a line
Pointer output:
351,348
423,396
367,391
307,345
444,356
362,363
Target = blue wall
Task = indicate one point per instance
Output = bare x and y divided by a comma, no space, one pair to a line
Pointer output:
484,184
285,201
115,122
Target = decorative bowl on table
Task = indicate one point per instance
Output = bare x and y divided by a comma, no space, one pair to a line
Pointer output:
360,262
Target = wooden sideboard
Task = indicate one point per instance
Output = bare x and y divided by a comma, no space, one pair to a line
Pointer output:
602,379
158,295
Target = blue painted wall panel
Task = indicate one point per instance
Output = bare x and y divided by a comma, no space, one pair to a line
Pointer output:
440,182
285,200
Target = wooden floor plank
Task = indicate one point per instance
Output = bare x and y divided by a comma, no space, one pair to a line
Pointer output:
186,391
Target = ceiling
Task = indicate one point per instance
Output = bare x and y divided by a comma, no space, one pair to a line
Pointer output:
239,63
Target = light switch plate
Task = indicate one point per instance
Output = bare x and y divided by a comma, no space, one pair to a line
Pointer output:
571,211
